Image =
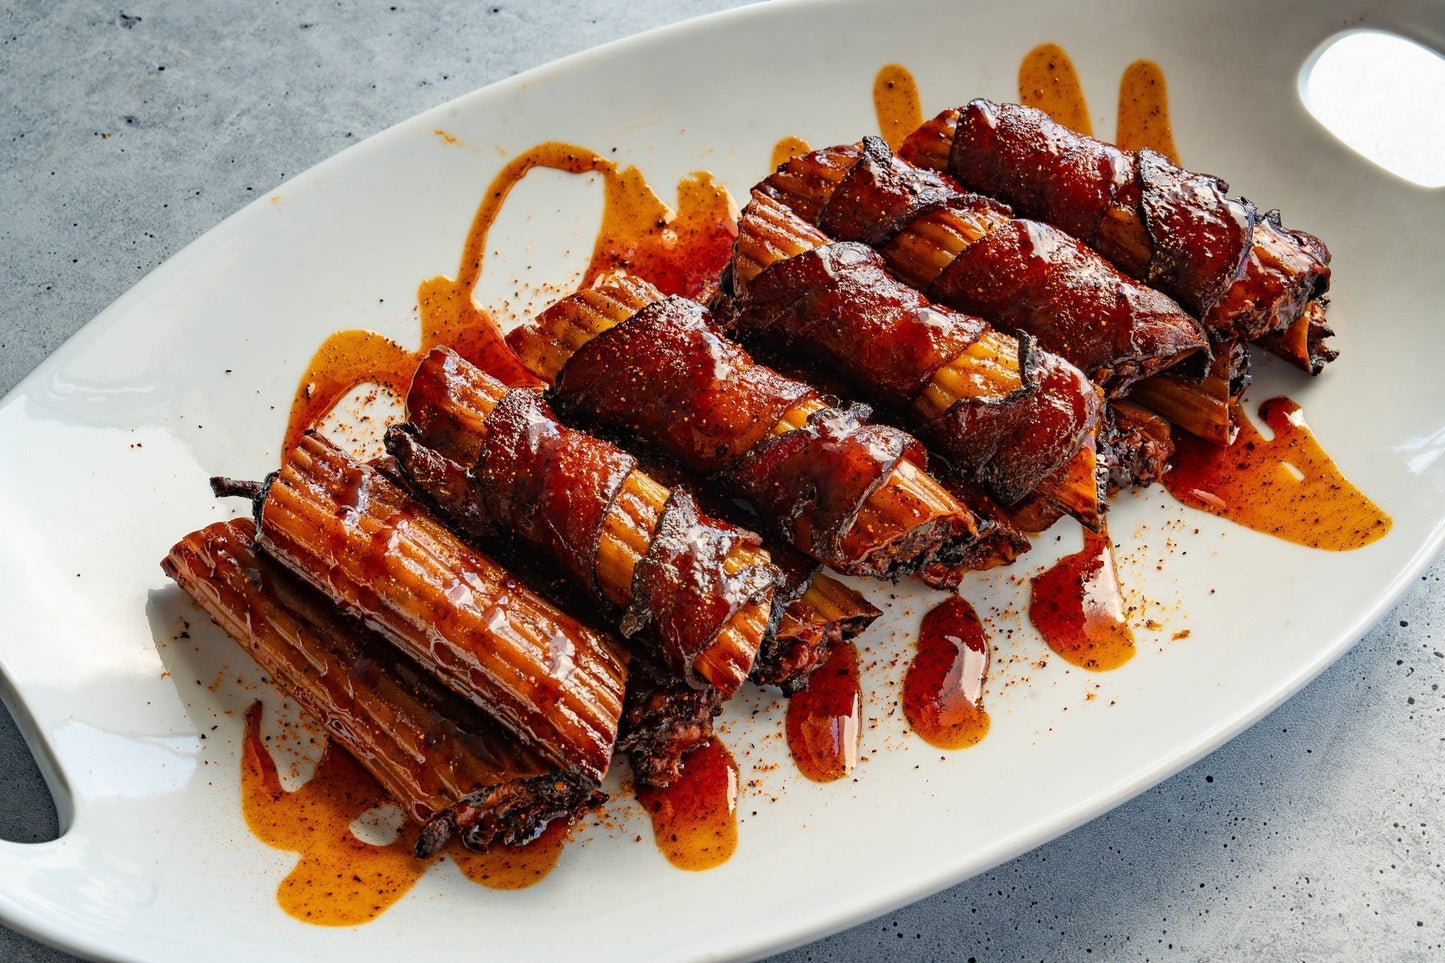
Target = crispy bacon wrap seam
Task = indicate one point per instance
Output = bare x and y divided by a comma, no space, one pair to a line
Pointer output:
701,597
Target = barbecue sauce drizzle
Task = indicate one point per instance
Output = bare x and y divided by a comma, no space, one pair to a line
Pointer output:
341,880
681,252
1285,486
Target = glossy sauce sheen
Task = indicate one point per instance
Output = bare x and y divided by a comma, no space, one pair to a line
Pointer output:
339,880
1250,482
694,820
824,721
1079,609
943,689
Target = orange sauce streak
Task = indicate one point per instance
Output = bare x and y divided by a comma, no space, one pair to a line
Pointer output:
680,251
694,820
339,880
1048,81
1144,111
943,688
514,867
896,104
824,721
786,149
1286,486
344,361
1079,609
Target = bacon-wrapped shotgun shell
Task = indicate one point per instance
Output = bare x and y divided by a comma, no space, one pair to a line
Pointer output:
811,610
376,552
970,253
852,494
1002,411
701,589
449,766
1243,273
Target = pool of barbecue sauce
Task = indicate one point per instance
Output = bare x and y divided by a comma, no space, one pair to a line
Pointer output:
1286,486
679,251
694,819
825,720
943,687
341,880
1078,608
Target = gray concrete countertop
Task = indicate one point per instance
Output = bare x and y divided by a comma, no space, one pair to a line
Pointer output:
128,133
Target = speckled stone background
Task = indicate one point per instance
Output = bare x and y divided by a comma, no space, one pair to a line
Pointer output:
126,132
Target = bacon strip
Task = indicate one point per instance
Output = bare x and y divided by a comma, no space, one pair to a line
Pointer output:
1011,414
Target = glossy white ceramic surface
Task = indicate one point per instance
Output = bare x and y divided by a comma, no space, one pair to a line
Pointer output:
110,441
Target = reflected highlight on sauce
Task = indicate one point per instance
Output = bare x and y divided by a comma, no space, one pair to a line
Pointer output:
824,721
1287,486
694,820
943,689
1078,607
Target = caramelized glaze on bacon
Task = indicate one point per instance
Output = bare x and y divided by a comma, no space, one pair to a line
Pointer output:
970,253
1005,413
1243,273
853,494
